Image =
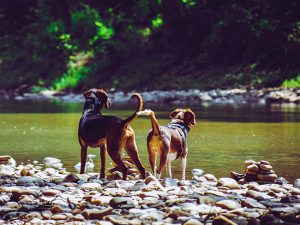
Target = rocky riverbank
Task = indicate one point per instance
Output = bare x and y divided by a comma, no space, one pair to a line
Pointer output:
194,96
30,194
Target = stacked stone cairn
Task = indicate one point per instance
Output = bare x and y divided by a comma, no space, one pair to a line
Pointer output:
261,172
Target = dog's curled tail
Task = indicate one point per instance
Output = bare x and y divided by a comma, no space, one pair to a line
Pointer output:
139,108
155,125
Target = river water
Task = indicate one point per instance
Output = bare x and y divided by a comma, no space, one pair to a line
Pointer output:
222,139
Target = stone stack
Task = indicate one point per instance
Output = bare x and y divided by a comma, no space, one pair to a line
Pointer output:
261,171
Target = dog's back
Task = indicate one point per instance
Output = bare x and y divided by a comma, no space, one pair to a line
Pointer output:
93,125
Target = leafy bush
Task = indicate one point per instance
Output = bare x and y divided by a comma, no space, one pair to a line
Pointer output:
144,44
292,83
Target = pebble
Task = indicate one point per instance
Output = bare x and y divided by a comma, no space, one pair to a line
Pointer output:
297,183
228,182
94,213
47,214
85,199
30,181
168,182
228,204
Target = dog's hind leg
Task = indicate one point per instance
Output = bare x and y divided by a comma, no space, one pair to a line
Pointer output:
132,151
103,160
152,158
114,150
83,159
116,139
117,159
162,164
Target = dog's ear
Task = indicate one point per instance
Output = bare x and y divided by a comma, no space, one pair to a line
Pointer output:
103,97
174,113
87,94
189,118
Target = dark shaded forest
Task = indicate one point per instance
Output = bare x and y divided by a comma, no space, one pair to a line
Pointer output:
149,44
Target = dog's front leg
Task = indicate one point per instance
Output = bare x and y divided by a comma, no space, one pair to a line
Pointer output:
183,166
83,159
168,168
103,160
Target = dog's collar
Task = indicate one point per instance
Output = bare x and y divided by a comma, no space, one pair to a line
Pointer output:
92,102
183,126
173,125
97,102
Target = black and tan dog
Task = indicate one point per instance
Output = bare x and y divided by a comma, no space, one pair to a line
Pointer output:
169,142
96,130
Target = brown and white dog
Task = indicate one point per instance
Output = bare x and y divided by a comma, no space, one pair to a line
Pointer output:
170,141
97,130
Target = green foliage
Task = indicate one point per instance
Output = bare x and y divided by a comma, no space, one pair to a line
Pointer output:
149,44
37,89
70,79
292,83
157,22
77,71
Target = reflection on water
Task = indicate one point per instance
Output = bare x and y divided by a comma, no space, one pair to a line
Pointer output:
223,138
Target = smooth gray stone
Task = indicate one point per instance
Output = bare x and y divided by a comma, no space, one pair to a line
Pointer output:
30,181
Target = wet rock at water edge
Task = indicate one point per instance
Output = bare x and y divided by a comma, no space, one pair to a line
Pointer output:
236,176
116,175
297,183
228,182
51,162
168,182
210,178
150,178
71,178
30,181
197,172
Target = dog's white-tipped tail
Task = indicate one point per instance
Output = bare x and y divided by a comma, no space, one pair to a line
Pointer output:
150,113
146,112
